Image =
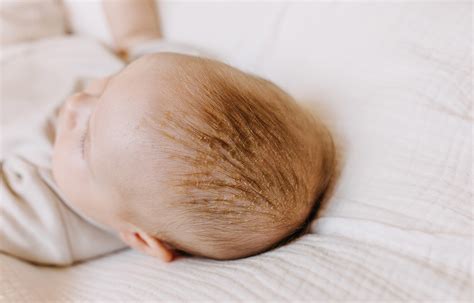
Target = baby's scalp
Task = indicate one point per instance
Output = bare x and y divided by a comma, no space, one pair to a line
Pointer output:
246,165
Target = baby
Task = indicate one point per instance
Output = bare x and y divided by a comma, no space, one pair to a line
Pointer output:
180,153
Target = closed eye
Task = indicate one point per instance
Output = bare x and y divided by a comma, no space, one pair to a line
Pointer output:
83,140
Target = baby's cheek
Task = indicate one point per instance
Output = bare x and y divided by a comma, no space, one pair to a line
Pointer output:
60,161
67,166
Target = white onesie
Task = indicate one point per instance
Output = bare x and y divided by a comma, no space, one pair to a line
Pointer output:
36,222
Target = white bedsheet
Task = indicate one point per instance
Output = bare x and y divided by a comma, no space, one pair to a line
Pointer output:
394,83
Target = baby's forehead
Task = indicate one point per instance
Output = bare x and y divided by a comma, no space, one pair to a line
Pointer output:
165,62
164,82
147,68
150,83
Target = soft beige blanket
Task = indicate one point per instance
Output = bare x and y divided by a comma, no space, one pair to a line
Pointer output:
394,82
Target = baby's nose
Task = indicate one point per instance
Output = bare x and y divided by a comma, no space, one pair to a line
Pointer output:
76,109
78,101
77,104
78,98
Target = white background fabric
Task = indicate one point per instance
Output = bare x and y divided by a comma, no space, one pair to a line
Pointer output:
22,21
394,83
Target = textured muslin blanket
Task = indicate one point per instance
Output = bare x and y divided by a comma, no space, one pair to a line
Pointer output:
394,83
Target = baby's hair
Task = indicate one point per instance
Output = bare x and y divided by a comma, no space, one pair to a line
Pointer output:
253,165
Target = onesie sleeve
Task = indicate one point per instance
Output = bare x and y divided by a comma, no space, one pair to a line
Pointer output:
31,224
36,223
37,226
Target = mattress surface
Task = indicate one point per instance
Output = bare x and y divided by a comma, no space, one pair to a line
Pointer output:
393,81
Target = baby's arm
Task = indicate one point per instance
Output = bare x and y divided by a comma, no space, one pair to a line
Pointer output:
131,22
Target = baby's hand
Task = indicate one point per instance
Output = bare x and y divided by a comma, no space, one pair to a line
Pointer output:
131,22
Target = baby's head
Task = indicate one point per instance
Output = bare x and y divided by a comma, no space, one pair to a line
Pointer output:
183,153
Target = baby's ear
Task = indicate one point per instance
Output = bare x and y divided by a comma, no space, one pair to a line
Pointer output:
147,244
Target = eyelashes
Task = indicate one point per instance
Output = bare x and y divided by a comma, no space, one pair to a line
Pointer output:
82,143
83,139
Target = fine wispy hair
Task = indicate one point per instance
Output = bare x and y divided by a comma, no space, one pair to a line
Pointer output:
251,164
